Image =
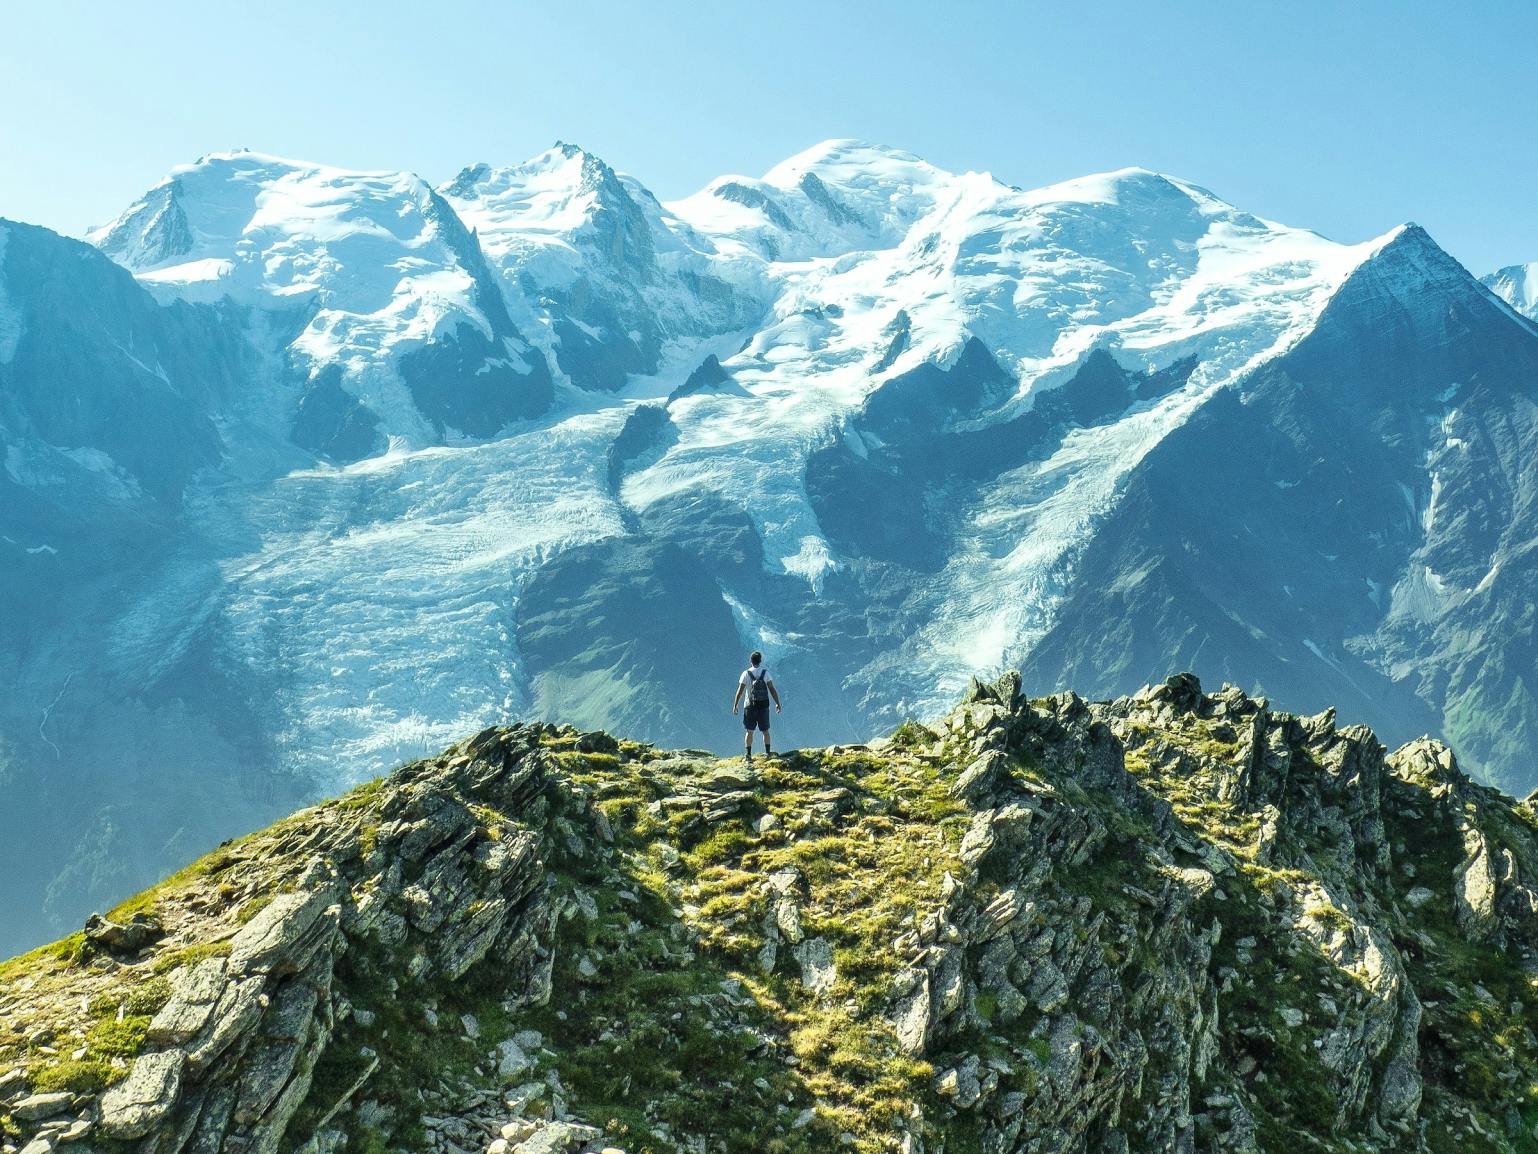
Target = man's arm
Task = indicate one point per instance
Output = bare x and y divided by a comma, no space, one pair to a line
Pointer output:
774,693
737,697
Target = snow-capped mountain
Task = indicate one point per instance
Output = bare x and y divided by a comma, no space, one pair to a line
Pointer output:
402,330
350,465
1517,285
590,253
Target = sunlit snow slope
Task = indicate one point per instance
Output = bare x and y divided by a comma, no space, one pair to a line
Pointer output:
399,313
1517,285
352,464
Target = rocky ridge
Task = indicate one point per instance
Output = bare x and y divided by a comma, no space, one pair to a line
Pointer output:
1174,921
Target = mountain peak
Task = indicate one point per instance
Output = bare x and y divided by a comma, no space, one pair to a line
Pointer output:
843,151
1517,285
855,165
246,157
205,209
1408,259
563,150
561,171
830,196
248,164
1136,188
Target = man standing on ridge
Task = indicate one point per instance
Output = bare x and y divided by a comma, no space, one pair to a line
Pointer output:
759,687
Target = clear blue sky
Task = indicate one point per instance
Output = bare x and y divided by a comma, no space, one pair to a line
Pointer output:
1344,117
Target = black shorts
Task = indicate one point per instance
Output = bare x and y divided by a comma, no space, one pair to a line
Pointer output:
756,717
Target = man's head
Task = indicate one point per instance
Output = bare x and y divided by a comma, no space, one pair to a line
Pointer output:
756,657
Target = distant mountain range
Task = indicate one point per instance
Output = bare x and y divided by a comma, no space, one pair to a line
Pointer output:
1517,285
309,470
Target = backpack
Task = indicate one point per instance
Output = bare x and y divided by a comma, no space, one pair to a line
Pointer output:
758,688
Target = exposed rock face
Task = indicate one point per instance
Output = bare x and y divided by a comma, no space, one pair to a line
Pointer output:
1172,922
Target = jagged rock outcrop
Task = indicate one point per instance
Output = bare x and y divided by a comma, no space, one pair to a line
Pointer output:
1177,921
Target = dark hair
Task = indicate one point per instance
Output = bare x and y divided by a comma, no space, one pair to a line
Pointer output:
755,657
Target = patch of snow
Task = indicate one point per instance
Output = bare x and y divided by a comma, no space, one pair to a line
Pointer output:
1332,662
94,461
812,561
756,631
206,280
1412,503
1420,595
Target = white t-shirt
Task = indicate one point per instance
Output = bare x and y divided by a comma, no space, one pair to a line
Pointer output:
761,671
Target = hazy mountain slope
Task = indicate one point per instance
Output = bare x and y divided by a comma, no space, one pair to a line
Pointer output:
125,752
1167,922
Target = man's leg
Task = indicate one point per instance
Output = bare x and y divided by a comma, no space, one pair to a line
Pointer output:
767,751
747,743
